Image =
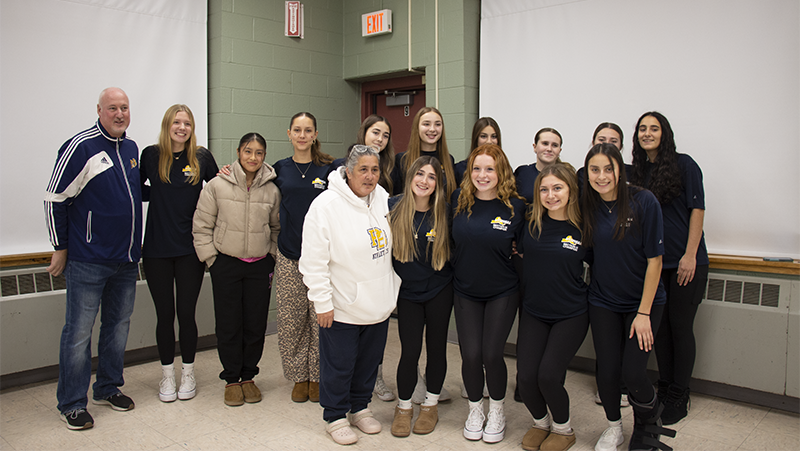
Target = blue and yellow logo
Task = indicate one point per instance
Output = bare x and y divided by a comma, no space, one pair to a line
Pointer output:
570,243
318,183
378,242
431,235
499,223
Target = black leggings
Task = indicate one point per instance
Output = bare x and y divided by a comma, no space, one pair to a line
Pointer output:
543,352
174,285
608,330
483,329
412,318
675,344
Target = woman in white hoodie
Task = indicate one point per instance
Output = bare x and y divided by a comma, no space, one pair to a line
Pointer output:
346,262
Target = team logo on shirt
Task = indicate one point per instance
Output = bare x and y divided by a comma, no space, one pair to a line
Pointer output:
431,235
187,171
378,242
133,163
570,243
318,183
499,223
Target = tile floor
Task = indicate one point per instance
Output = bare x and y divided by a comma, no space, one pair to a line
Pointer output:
29,419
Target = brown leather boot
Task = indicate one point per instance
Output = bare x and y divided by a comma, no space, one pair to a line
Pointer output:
313,391
233,394
427,419
401,425
533,438
251,392
300,392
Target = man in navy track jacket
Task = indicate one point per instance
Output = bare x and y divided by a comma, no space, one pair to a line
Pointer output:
93,209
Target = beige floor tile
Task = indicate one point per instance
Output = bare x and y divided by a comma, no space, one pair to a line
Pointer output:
761,440
29,420
782,422
222,440
724,421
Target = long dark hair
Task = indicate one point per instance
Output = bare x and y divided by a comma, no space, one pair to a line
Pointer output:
319,157
665,177
591,200
480,124
612,126
387,154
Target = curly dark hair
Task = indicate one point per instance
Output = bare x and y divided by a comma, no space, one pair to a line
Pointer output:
665,178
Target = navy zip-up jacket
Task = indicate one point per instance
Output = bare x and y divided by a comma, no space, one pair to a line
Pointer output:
93,203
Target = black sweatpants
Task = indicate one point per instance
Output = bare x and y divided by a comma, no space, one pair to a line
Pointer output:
174,285
675,344
241,304
434,317
544,351
483,329
609,331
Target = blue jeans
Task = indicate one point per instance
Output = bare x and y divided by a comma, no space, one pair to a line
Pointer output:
91,286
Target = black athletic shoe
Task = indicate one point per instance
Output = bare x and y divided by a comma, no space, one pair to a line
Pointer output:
117,401
77,419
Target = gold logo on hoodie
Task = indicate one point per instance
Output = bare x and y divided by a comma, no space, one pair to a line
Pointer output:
378,242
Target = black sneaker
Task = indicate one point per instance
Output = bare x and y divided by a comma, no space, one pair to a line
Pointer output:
78,419
117,401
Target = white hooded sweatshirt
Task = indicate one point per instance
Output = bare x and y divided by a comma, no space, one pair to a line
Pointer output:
346,258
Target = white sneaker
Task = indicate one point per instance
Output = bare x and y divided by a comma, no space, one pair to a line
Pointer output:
188,384
610,440
166,389
495,426
381,390
473,427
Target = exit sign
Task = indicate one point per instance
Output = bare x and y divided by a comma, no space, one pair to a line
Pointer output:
379,22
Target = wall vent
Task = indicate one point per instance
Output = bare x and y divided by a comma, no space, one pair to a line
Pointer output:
743,292
37,280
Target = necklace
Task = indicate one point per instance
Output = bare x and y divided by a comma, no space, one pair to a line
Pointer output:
611,207
177,155
416,232
302,173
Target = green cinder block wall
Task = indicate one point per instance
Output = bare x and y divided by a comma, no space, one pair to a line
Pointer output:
258,78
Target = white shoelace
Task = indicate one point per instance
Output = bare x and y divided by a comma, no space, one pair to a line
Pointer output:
475,419
496,421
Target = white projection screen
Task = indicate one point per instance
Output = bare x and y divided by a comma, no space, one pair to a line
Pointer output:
55,58
724,72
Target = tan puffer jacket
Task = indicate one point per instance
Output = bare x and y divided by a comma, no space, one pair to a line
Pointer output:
231,220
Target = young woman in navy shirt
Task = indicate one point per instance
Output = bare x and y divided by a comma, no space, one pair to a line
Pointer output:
427,138
485,131
300,178
677,182
420,225
488,216
554,317
623,226
176,168
547,147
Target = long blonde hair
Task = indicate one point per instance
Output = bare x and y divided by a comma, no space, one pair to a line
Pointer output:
401,219
506,185
165,156
414,150
566,173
